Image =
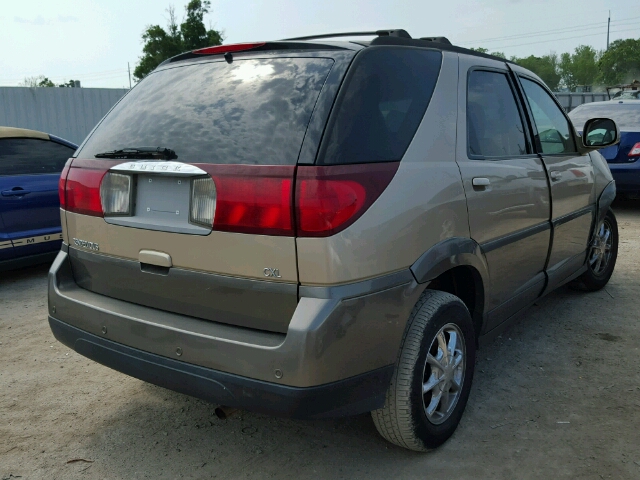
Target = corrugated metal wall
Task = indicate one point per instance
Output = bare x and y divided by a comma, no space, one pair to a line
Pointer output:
70,113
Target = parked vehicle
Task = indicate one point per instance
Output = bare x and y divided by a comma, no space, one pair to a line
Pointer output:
30,166
326,228
623,157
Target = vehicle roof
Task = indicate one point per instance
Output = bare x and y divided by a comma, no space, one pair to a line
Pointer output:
615,101
384,37
6,132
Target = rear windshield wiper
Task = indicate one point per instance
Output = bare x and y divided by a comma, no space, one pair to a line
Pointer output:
140,152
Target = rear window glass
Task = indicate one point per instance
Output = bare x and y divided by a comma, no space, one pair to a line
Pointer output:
380,105
626,116
252,111
32,156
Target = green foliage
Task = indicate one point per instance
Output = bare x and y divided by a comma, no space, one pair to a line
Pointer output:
38,81
546,67
161,44
621,63
579,68
486,50
42,81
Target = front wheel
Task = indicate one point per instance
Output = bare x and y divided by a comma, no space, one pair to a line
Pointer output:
602,256
432,379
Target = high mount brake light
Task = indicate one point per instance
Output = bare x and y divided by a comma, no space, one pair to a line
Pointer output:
635,151
221,49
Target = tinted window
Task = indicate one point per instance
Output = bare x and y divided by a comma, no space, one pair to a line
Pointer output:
28,156
249,111
380,105
494,125
554,131
626,115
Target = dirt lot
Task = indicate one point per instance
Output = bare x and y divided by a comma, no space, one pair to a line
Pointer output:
557,396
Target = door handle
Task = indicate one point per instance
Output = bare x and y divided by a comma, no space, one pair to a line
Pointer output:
555,176
15,192
480,182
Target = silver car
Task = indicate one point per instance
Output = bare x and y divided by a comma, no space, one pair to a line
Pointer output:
316,228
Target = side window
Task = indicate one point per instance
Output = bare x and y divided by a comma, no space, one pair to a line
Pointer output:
494,125
554,131
31,156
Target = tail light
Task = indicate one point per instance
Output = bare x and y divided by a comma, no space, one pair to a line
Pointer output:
253,198
115,194
62,182
634,153
330,198
256,199
82,190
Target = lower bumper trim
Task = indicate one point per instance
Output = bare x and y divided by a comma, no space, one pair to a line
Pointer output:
351,396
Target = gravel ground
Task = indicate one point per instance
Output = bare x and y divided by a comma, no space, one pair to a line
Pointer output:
557,396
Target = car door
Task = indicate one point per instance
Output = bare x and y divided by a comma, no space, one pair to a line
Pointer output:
505,184
29,205
571,178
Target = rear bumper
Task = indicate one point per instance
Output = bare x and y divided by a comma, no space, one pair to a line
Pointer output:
335,359
347,397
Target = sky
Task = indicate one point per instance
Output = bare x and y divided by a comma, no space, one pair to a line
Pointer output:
94,40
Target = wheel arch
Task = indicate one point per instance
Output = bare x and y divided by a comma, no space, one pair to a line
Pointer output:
457,266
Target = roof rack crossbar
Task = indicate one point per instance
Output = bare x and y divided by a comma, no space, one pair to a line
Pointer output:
379,33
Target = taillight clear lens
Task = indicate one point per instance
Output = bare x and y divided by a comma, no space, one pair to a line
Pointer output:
203,201
115,194
635,151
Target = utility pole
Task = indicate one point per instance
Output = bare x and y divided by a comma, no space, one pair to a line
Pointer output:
608,24
129,68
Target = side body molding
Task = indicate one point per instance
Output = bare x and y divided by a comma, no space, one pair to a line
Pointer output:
447,254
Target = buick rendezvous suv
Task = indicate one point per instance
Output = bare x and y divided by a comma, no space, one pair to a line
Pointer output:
317,228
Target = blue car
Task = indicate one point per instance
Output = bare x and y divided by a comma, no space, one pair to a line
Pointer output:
624,158
30,167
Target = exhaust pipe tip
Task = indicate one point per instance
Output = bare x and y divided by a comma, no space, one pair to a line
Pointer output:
223,412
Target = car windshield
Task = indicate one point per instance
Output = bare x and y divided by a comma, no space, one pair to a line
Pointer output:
252,111
626,115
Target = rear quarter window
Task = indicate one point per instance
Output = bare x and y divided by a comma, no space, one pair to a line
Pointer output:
380,106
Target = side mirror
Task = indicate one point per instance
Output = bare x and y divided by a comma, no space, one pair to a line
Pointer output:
600,133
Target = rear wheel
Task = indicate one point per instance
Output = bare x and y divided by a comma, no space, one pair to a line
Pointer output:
431,383
603,253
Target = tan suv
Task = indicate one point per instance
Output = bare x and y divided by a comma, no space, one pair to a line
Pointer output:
317,228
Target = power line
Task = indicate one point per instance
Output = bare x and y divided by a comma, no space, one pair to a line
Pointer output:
590,26
564,38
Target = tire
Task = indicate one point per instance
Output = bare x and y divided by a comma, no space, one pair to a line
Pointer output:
598,274
405,420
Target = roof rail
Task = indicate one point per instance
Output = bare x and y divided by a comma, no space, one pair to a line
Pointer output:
380,33
444,40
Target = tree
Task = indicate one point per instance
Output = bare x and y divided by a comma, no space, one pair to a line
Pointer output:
38,81
621,63
546,67
580,67
486,50
191,34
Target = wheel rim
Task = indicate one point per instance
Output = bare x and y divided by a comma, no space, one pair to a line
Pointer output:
443,375
600,253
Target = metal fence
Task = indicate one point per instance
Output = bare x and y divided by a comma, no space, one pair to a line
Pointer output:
569,101
70,113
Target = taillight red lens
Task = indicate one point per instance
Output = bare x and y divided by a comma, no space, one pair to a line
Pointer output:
83,190
253,198
62,182
635,150
236,47
330,198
